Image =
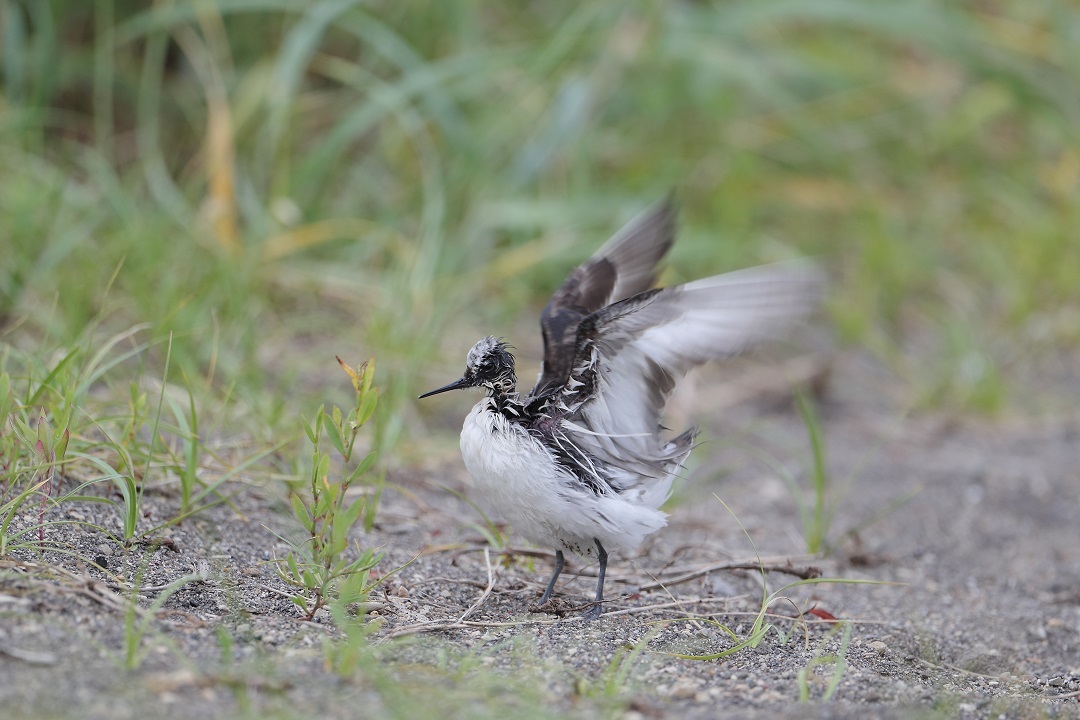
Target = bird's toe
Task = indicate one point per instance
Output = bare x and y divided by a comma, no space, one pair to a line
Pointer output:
592,612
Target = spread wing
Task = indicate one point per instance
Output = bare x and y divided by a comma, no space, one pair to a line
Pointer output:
623,267
631,354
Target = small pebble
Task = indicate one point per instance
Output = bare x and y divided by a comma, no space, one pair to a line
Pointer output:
684,690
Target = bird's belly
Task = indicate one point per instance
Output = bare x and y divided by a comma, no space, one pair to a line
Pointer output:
516,477
513,474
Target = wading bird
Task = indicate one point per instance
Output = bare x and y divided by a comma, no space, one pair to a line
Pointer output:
581,463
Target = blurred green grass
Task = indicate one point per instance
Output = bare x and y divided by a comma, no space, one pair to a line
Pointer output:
277,181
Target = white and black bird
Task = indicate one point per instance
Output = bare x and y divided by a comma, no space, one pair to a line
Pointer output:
581,463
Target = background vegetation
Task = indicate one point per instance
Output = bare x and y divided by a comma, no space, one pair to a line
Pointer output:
274,181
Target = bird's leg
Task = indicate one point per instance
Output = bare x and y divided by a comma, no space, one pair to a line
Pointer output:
594,612
559,559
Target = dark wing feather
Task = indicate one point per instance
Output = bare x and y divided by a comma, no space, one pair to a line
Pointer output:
623,267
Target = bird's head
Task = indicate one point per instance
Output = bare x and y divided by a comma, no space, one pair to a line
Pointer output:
490,365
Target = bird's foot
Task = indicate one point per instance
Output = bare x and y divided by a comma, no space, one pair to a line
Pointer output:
593,611
554,606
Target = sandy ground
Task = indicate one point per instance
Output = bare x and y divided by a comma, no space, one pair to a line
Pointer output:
970,527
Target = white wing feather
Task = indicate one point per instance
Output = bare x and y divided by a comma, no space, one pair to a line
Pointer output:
647,343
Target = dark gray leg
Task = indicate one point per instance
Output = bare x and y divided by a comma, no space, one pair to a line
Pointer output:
559,560
594,612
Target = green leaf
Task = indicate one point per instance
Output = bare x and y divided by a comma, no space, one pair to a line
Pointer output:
5,399
362,467
368,376
62,446
43,433
343,521
301,513
328,497
131,505
366,408
191,444
338,541
351,514
33,399
317,425
322,469
335,436
366,561
308,430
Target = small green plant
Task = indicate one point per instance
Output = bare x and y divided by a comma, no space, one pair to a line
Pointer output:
187,430
345,655
318,567
838,660
53,429
761,626
611,687
44,446
139,621
817,517
816,503
8,509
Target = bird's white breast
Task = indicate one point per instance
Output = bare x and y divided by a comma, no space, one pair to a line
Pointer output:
519,479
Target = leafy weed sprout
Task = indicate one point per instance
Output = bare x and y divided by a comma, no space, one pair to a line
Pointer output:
319,569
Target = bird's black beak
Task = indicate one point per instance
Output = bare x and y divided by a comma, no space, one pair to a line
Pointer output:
456,385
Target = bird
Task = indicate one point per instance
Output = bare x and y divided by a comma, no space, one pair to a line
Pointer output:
581,463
